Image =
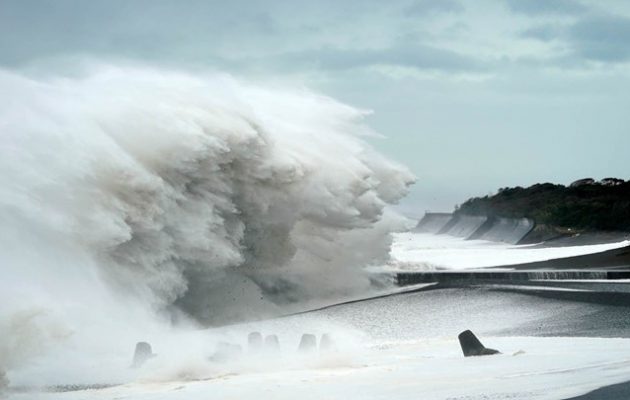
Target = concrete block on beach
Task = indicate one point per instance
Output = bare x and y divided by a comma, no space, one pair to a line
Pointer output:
272,343
326,343
142,354
471,346
308,343
254,341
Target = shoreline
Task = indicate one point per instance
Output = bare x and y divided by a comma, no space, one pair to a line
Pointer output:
618,391
613,259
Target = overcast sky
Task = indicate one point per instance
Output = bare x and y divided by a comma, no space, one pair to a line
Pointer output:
472,95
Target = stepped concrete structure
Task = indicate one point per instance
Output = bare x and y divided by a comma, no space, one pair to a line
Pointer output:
496,229
433,222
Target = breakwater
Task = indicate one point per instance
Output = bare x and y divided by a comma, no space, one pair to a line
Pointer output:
485,276
433,222
497,229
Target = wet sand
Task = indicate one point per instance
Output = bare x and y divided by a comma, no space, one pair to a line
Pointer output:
620,391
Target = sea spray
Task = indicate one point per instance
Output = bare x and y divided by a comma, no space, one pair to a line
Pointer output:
134,197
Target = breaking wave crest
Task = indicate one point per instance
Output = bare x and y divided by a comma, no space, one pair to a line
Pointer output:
138,189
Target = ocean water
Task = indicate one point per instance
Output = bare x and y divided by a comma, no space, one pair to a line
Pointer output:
396,347
400,347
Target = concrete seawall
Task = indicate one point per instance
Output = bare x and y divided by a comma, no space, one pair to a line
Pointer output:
464,226
433,222
601,287
516,277
507,230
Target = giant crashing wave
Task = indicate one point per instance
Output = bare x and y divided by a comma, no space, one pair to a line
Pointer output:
132,189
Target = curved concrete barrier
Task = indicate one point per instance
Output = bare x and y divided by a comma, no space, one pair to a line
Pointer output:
433,222
507,230
495,229
464,226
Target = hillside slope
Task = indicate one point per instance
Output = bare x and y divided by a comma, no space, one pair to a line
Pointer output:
584,207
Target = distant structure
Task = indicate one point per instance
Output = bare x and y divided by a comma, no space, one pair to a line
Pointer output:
4,381
583,182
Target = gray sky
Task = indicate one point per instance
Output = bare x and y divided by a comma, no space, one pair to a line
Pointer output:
472,95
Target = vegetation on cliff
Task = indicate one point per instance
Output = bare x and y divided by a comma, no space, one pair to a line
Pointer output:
603,205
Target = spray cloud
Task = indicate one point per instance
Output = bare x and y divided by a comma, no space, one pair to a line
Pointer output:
135,189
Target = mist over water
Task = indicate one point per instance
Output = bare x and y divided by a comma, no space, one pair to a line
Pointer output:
135,201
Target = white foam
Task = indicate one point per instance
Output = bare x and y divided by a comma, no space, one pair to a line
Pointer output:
418,251
131,194
529,368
